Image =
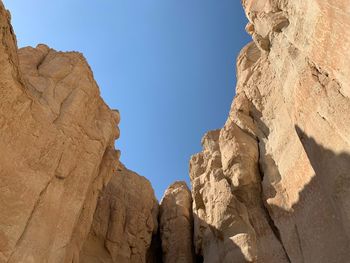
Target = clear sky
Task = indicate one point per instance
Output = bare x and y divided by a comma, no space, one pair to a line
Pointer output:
167,65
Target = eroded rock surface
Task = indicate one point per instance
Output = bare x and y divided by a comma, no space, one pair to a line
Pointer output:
176,224
273,185
230,219
124,222
274,182
57,150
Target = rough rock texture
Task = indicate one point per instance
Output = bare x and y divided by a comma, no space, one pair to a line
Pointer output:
230,219
274,183
57,150
176,224
124,222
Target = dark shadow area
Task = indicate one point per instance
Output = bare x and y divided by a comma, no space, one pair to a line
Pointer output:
332,169
154,253
199,259
316,229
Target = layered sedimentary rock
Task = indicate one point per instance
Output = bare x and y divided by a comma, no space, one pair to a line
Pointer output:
57,150
273,184
124,222
176,224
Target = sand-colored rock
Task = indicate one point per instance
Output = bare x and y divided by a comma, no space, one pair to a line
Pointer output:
286,143
221,222
273,185
176,224
124,222
231,224
57,150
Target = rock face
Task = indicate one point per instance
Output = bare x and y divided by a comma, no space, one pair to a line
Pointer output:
273,185
57,150
176,224
230,220
124,222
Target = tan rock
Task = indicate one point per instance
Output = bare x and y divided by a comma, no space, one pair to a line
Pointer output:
222,231
124,222
272,185
57,150
286,143
176,224
302,107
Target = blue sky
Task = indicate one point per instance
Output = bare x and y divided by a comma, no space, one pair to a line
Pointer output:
167,65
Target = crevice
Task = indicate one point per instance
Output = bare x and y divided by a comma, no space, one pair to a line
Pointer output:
324,118
62,103
42,61
269,218
324,78
154,253
199,259
299,242
20,239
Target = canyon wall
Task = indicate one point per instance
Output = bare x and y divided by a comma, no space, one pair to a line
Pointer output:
64,195
273,185
57,150
125,221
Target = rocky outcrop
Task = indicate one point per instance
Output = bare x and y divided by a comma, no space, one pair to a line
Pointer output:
221,223
176,224
124,222
273,184
230,219
57,150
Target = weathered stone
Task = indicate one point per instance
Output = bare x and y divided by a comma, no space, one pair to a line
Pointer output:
286,143
176,224
57,150
272,185
124,222
222,231
303,87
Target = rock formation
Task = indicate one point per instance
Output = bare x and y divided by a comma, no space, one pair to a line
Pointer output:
230,220
271,186
124,222
176,224
57,150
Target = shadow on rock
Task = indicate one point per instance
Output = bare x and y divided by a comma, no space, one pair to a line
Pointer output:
316,228
213,245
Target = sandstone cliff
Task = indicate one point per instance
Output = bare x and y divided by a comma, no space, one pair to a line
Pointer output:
273,184
124,222
58,160
57,150
176,224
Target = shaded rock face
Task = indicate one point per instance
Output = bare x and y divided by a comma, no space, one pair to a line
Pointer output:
124,222
273,184
176,224
57,150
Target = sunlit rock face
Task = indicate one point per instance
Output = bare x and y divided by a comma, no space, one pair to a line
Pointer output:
124,222
57,150
176,224
273,185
